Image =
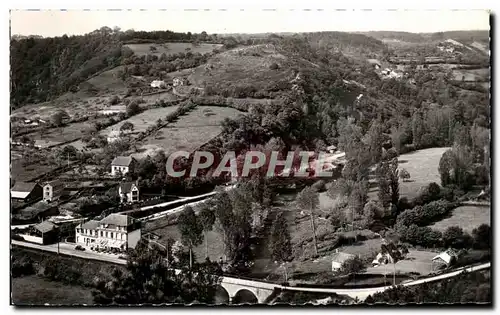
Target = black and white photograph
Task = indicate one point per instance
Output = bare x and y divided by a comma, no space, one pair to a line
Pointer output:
236,157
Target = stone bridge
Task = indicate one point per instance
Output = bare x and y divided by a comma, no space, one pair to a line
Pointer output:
237,291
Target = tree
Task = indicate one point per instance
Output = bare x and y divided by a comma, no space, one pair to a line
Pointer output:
375,141
384,189
133,108
59,117
148,279
127,126
394,180
455,237
455,167
308,199
114,100
482,236
418,128
352,266
404,175
191,230
207,219
280,244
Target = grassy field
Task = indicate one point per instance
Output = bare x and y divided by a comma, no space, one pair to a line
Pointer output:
215,242
191,130
466,217
472,75
171,48
33,290
25,173
247,65
143,120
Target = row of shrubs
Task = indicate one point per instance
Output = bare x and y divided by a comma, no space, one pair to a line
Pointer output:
426,214
452,237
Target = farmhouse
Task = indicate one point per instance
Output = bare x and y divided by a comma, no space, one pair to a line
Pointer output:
129,192
116,231
180,81
158,84
113,136
26,192
113,110
122,165
444,259
52,190
338,259
382,259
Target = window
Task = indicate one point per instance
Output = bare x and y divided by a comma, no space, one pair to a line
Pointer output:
111,234
107,234
102,234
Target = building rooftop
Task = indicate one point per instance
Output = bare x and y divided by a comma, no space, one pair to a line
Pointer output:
341,257
45,226
126,187
122,161
22,189
91,225
117,219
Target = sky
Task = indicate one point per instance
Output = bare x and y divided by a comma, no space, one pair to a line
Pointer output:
74,22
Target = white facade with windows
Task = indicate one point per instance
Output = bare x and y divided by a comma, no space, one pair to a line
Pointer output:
115,231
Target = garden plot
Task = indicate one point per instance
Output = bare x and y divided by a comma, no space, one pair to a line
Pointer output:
466,217
143,120
191,130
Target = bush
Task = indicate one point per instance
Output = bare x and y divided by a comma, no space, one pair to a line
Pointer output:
274,66
404,204
22,267
430,193
114,100
319,186
455,237
424,215
482,237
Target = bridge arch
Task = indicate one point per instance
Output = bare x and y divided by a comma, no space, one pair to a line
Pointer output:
245,296
222,296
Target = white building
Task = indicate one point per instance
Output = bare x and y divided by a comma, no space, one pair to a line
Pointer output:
113,110
113,136
158,84
338,259
122,165
116,231
129,192
179,81
52,190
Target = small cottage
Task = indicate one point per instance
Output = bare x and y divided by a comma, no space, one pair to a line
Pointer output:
129,192
52,190
122,165
338,259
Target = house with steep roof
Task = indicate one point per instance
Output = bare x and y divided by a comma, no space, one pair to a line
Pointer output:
122,165
26,192
116,231
53,190
128,192
444,259
338,258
